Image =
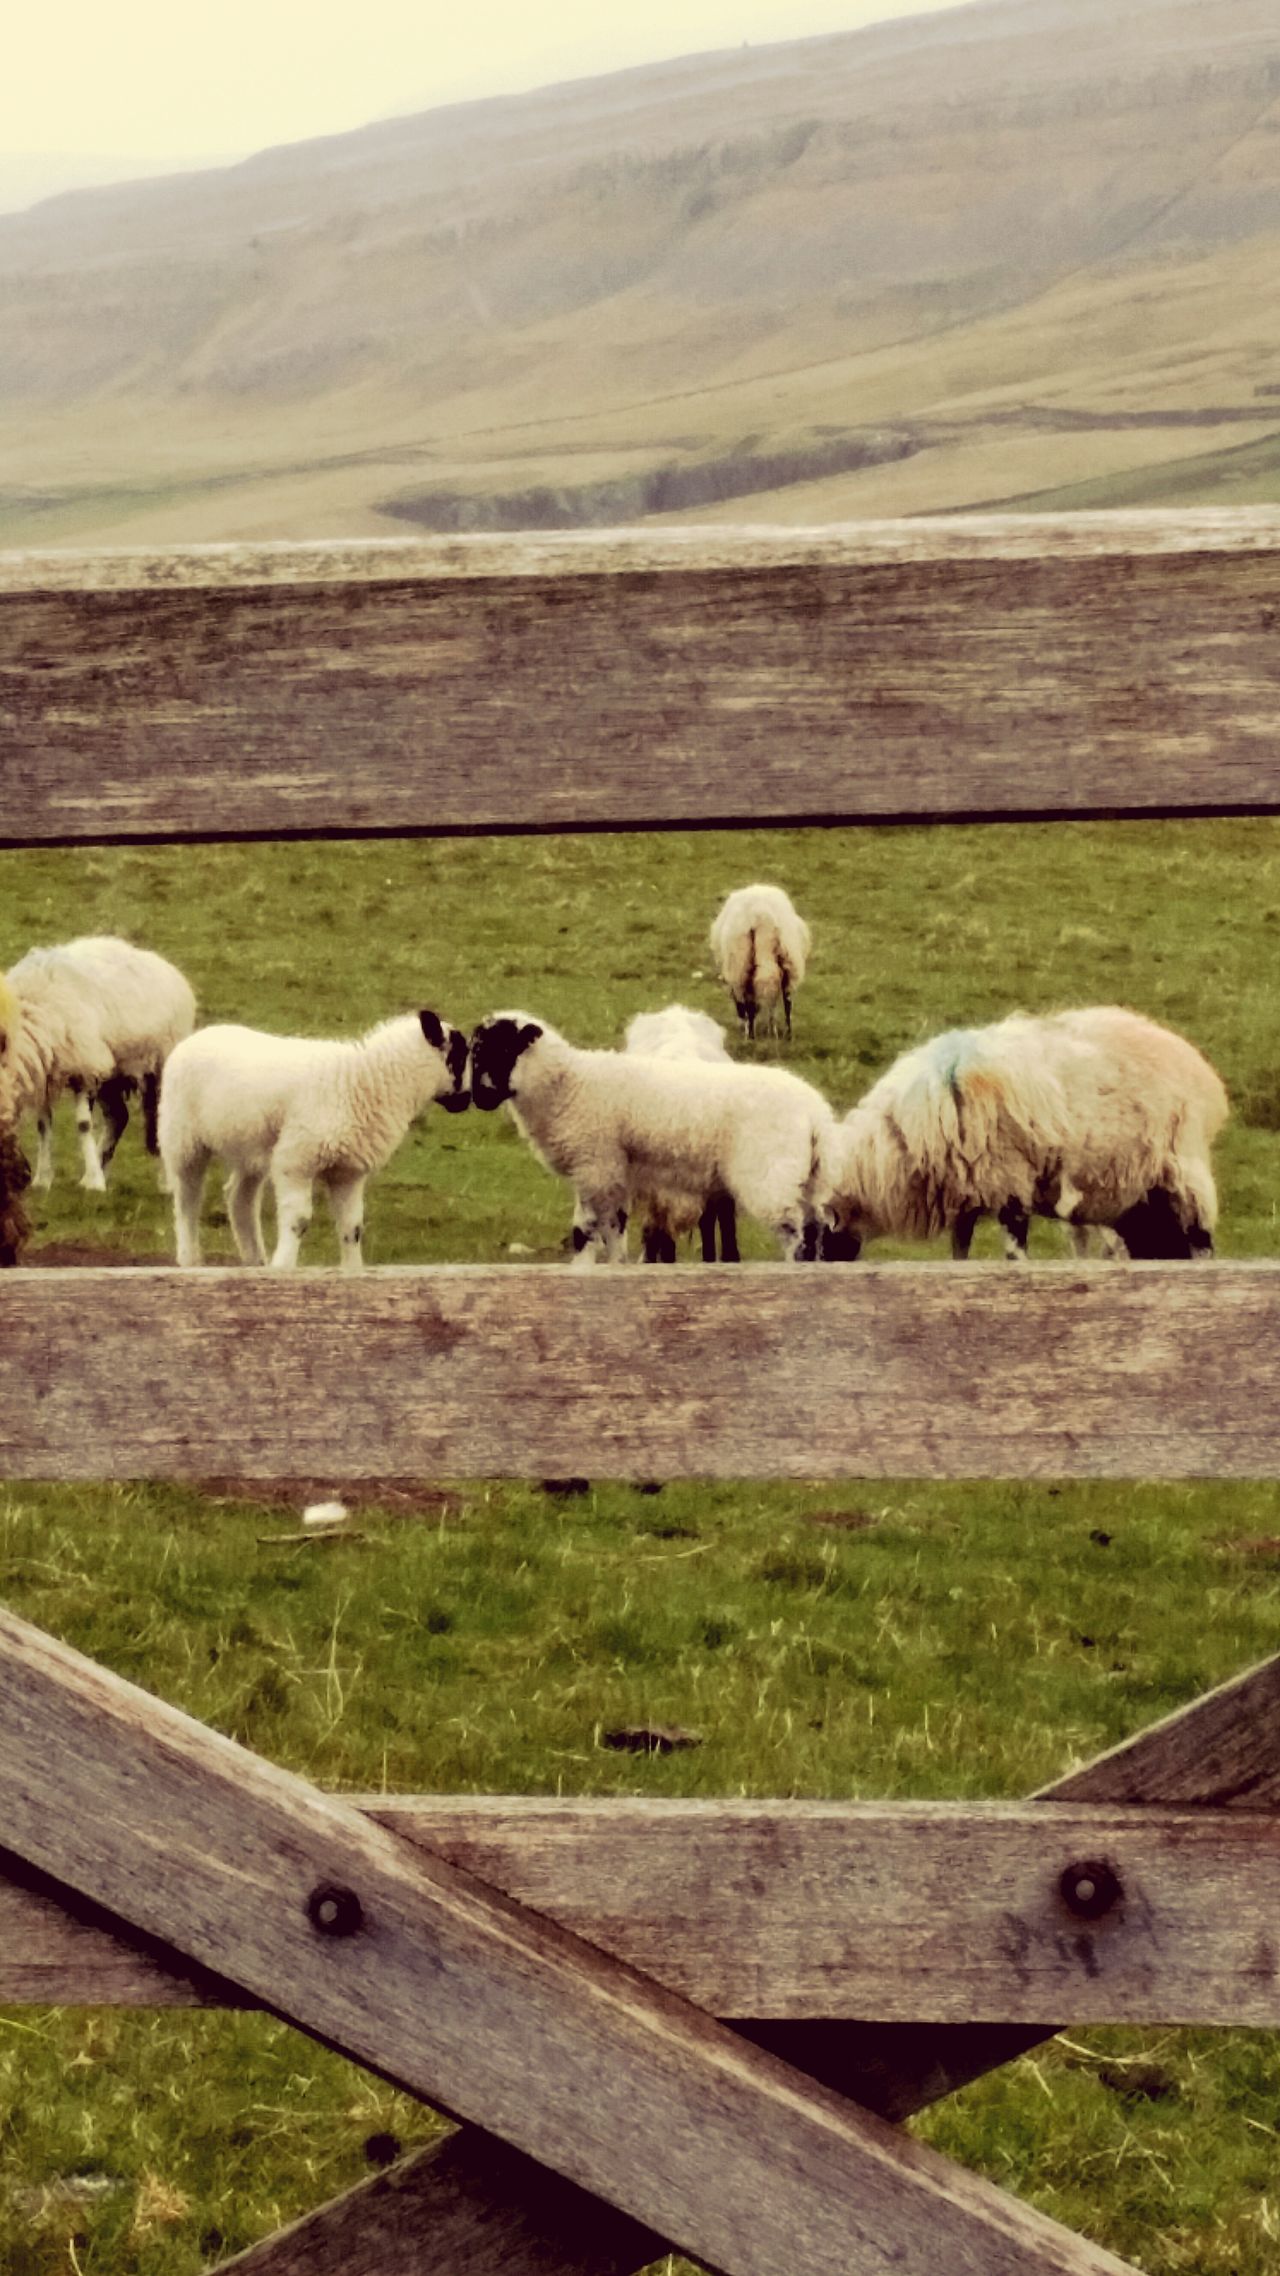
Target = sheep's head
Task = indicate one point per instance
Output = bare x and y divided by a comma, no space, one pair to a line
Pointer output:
497,1047
451,1044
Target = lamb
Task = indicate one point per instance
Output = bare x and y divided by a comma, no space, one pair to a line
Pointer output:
294,1109
676,1032
619,1125
98,1018
1095,1117
761,948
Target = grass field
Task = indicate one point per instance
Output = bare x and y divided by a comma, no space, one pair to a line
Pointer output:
821,1639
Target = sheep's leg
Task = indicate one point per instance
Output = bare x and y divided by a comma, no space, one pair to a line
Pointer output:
346,1206
603,1224
707,1232
1015,1224
727,1224
113,1098
244,1208
786,1005
151,1110
293,1215
188,1192
962,1233
42,1175
657,1245
93,1180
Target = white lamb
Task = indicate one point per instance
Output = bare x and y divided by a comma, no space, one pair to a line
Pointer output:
618,1125
761,948
98,1018
1095,1117
679,1033
294,1109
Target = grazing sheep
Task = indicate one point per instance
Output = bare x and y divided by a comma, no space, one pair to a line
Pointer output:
294,1109
1095,1117
761,948
619,1125
676,1032
98,1018
15,1174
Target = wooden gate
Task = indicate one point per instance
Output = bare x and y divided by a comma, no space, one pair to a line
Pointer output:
725,2007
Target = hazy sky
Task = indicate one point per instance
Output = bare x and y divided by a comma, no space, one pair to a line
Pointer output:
197,78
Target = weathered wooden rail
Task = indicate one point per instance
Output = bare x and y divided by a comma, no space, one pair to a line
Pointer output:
722,2004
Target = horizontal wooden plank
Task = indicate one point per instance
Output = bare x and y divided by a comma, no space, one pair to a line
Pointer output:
943,1913
627,679
433,1979
946,1371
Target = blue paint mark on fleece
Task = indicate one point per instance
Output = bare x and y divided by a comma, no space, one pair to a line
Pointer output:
947,1057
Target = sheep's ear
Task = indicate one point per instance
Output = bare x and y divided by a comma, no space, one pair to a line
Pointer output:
529,1033
432,1028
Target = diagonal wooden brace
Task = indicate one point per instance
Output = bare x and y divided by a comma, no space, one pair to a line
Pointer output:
1221,1751
432,1979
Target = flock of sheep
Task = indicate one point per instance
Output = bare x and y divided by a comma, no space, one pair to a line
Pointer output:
1098,1118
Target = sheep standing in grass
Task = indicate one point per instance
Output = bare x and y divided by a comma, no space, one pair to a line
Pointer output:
294,1109
15,1174
617,1125
761,948
679,1033
1095,1117
98,1018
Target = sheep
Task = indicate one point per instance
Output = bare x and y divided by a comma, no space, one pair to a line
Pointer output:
294,1109
15,1173
98,1018
676,1032
617,1124
761,948
1095,1117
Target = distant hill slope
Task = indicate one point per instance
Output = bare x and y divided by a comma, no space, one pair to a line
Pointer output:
988,254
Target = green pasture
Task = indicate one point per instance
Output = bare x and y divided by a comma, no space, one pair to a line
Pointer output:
825,1639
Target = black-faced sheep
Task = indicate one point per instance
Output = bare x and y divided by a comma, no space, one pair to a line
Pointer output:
1094,1117
617,1125
293,1109
761,948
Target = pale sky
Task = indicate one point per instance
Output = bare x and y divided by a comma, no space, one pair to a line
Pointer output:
196,79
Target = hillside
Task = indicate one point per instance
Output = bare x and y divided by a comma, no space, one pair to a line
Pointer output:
987,256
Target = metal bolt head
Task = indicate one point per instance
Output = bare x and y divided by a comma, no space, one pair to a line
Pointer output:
1090,1888
334,1911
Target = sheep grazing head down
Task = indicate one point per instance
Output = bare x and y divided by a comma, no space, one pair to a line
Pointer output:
451,1044
497,1047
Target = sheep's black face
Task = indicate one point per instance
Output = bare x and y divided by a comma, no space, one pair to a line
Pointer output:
451,1044
496,1048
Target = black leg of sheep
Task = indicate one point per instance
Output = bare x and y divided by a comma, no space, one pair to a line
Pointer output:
15,1177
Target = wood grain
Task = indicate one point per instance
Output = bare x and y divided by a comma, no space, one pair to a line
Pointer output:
474,2003
953,1371
620,680
468,2206
943,1913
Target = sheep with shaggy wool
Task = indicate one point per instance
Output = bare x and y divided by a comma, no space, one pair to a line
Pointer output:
15,1173
617,1125
96,1017
293,1109
1094,1117
761,948
677,1032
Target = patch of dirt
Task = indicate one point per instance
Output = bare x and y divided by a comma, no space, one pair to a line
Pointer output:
1266,1545
848,1520
650,1738
397,1497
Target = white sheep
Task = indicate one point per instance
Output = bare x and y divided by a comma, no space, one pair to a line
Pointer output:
294,1109
98,1018
677,1032
618,1125
1095,1117
761,948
